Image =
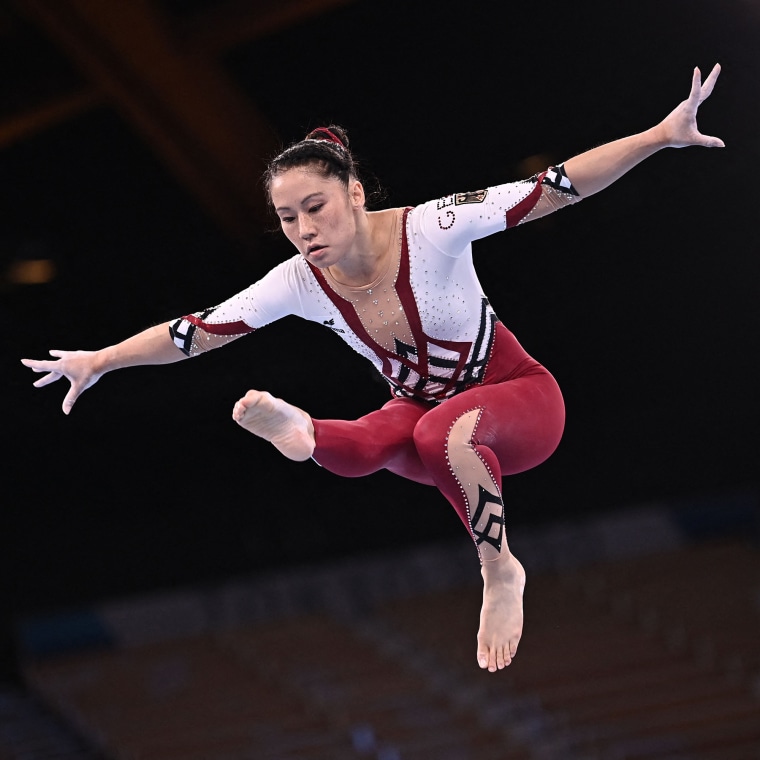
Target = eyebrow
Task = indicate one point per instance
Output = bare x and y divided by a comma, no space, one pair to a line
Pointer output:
304,201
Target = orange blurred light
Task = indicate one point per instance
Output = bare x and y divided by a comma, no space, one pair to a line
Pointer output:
31,271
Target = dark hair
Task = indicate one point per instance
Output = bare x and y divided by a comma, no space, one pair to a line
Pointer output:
327,150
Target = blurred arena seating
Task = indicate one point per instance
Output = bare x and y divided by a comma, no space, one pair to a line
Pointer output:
28,729
642,640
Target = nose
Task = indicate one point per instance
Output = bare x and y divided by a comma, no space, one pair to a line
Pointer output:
305,227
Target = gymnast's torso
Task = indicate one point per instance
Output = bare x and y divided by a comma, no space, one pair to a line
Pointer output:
425,322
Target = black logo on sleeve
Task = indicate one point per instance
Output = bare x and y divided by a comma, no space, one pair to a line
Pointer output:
476,196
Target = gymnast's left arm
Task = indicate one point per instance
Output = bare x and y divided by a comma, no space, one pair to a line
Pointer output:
599,167
451,223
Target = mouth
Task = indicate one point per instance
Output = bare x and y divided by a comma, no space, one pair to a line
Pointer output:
315,250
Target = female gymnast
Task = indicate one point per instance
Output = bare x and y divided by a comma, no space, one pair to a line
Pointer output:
468,405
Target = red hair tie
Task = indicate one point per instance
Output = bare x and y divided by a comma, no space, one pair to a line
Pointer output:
332,137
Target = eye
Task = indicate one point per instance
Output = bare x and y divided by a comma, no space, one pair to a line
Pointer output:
315,208
287,219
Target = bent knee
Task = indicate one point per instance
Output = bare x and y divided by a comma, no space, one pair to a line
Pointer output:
437,435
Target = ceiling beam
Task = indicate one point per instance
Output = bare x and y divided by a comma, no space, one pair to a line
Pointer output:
212,31
181,102
53,111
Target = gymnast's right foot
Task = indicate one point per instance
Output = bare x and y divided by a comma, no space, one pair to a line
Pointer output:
288,428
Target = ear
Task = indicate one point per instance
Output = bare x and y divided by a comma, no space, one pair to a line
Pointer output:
356,193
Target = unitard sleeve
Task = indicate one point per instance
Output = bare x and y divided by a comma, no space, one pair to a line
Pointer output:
451,223
272,297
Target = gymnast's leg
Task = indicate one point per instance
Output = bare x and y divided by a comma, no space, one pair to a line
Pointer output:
463,446
467,444
382,439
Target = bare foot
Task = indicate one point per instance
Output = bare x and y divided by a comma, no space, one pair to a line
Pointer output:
285,426
501,617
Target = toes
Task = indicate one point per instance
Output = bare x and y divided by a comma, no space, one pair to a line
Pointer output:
487,659
493,659
243,404
247,400
510,650
238,410
505,656
497,658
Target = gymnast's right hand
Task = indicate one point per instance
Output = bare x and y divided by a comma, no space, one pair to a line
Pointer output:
78,367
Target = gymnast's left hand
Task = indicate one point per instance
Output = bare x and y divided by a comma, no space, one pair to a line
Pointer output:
679,128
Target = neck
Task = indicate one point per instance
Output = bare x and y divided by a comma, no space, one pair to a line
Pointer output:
375,242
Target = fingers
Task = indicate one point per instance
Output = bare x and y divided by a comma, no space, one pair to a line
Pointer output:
700,91
68,401
709,83
696,84
66,364
36,366
708,141
51,377
42,366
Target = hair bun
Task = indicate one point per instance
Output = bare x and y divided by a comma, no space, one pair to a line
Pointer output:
333,134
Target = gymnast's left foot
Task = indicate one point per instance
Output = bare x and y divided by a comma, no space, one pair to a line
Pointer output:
288,428
501,618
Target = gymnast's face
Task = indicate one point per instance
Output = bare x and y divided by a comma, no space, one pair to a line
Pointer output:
318,214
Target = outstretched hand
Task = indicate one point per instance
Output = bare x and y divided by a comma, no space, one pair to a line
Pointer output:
680,125
78,367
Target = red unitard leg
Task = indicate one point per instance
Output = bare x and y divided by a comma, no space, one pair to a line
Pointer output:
464,445
381,440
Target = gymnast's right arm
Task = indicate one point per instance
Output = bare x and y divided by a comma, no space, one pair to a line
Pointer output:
270,298
84,368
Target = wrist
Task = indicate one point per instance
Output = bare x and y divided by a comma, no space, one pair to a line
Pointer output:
103,360
656,137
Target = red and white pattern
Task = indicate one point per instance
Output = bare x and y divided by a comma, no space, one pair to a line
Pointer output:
445,311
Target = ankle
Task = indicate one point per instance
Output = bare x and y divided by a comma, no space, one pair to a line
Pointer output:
505,567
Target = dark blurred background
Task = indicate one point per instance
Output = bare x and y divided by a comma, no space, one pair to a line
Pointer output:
132,138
